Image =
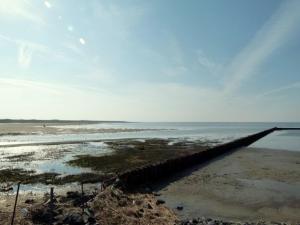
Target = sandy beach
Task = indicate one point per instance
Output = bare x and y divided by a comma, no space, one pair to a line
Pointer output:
250,184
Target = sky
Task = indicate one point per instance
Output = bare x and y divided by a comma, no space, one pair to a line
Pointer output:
158,60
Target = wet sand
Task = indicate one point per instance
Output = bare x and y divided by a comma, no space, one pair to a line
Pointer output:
55,128
250,184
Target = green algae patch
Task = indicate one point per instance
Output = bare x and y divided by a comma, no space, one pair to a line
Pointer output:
130,154
30,177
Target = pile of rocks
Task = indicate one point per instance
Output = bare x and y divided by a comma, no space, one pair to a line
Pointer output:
209,221
70,209
108,206
113,206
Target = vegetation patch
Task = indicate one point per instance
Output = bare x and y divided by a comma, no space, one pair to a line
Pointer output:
29,176
134,153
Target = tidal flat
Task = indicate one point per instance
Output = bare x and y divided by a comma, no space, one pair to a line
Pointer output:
87,162
231,188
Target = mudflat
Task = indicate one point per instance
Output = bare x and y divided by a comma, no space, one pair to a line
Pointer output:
55,128
250,184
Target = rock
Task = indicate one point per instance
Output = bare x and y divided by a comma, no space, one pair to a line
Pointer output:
139,214
91,220
73,219
160,201
48,181
43,214
157,194
139,202
211,222
73,194
149,206
89,212
130,212
147,190
179,207
195,221
24,212
6,189
29,201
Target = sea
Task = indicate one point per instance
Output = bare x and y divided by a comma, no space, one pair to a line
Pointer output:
220,132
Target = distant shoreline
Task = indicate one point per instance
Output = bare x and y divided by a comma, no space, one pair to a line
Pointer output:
58,121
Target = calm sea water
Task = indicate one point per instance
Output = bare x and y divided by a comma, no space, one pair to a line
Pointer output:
222,132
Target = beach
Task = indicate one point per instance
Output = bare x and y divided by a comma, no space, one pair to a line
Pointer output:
250,184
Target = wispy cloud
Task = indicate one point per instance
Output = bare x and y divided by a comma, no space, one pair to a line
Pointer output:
20,9
280,89
28,84
174,58
275,32
117,19
25,55
211,66
26,49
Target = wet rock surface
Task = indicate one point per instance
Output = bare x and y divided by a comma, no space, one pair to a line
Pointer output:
210,221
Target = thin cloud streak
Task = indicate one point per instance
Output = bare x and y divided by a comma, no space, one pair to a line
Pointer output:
27,48
276,31
212,67
280,89
25,56
16,9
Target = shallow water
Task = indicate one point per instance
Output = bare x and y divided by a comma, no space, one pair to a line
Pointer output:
223,132
53,158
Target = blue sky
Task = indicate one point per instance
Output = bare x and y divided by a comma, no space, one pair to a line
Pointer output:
156,60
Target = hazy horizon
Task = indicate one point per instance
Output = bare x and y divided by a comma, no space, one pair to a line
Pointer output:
128,121
150,61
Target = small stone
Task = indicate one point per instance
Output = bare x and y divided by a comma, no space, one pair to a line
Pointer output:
29,201
160,201
147,190
122,202
211,223
179,207
73,218
149,206
73,194
91,220
139,214
195,221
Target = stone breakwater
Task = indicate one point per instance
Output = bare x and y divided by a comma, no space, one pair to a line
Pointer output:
157,171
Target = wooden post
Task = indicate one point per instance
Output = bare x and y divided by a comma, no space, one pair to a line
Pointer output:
82,194
15,206
51,196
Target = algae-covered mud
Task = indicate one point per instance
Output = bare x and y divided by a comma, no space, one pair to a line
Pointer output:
87,162
129,154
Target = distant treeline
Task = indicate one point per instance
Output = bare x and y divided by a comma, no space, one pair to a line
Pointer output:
56,121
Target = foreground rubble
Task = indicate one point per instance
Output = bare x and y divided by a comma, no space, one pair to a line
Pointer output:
109,206
209,221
